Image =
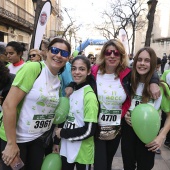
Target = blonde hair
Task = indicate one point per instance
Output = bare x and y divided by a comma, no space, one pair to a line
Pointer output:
123,60
37,52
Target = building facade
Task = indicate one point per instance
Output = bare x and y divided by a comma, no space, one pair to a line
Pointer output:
17,20
160,37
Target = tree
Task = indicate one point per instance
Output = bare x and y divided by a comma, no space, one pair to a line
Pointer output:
150,17
71,26
124,14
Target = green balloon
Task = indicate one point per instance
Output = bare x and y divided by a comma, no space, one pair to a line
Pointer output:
52,162
75,53
62,110
145,121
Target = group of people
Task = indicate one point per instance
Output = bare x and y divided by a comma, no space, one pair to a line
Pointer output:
101,98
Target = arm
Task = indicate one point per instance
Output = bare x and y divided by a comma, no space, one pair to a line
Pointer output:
156,144
69,89
11,102
154,88
77,134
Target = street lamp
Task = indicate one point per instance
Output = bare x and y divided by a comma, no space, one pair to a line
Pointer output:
80,44
34,4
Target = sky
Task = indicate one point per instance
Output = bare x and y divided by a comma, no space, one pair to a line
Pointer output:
86,13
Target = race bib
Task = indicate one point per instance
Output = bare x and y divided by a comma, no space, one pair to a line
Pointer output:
137,100
41,123
109,117
71,123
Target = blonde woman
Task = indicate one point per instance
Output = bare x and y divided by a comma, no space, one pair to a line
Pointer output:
34,55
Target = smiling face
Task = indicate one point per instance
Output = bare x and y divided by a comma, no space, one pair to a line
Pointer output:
55,61
112,60
12,55
79,71
143,64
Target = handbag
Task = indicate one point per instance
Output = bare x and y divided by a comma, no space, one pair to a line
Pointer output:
108,132
46,137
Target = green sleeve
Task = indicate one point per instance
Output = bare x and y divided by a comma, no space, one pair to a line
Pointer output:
90,107
163,77
26,76
165,103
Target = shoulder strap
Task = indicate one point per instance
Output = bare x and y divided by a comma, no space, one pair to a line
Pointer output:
40,70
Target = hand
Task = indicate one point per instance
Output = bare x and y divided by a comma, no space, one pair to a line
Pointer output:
155,144
155,91
56,148
9,153
57,132
69,91
128,118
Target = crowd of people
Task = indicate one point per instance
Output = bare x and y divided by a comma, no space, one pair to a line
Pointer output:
101,89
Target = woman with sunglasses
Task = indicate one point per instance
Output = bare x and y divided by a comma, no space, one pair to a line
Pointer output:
92,59
135,153
34,55
14,52
113,90
28,110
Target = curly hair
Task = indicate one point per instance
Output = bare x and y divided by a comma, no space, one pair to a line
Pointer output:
123,61
4,72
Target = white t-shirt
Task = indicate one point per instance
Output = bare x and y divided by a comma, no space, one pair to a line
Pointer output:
111,96
13,69
138,96
36,111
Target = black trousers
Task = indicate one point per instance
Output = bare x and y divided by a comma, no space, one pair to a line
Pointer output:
134,152
163,119
104,153
31,153
70,166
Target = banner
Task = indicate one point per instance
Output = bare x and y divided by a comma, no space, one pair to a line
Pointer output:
41,24
123,38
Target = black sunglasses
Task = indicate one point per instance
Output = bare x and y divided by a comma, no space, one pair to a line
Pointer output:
32,55
55,50
109,52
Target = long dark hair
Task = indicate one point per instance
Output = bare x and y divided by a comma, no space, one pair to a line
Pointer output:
19,48
135,78
4,74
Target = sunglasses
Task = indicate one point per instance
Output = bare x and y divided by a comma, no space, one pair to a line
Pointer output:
55,50
109,52
32,55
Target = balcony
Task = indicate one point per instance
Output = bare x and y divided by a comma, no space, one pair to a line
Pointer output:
56,10
13,15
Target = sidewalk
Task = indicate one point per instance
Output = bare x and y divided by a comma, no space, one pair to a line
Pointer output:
162,161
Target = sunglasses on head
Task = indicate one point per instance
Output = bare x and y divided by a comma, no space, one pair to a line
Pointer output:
109,52
55,50
32,55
